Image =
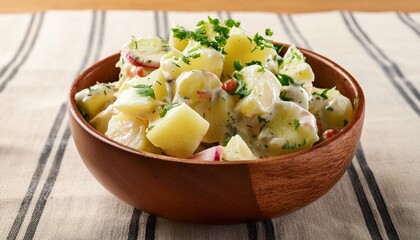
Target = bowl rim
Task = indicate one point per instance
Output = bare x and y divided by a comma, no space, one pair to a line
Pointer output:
358,104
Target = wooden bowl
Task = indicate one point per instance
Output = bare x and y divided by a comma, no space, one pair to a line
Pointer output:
207,192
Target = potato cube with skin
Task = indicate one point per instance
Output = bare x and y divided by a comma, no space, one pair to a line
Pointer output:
237,149
95,99
265,91
130,131
179,131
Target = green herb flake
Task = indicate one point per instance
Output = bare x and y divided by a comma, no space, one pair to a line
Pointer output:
185,60
278,48
323,94
345,122
133,39
168,107
331,109
283,96
268,32
285,79
237,65
149,128
253,62
145,90
261,42
232,23
296,123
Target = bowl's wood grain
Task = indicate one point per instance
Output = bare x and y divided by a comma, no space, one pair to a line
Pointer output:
218,192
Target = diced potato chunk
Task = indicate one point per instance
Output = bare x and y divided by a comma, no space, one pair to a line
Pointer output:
265,90
196,86
93,100
333,109
291,128
194,57
157,83
294,65
131,132
100,121
179,131
216,112
132,103
239,47
296,94
237,149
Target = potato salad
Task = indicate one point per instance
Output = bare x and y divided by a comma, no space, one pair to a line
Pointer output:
215,93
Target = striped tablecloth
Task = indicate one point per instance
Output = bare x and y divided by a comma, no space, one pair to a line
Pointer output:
47,193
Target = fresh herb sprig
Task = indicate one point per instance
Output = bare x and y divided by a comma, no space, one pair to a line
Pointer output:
145,90
168,107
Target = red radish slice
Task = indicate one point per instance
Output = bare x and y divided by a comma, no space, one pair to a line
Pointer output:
142,61
210,154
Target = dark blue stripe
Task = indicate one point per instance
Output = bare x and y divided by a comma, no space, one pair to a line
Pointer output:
55,168
376,193
48,186
133,229
157,24
150,227
17,223
268,230
252,230
101,36
407,20
305,43
21,46
391,72
287,31
370,221
25,56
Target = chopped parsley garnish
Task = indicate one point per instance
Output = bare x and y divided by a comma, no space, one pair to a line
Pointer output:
268,32
241,89
237,65
285,79
330,109
149,128
296,123
232,23
145,90
288,146
185,60
278,48
253,62
261,42
283,96
323,94
133,39
345,121
168,107
262,120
